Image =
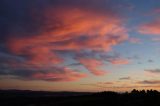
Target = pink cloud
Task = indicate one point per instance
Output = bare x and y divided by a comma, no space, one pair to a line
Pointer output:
75,23
152,27
119,61
70,29
93,66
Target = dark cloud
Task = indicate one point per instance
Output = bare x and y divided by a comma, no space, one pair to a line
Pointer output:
156,71
134,57
150,61
149,82
6,57
15,18
107,83
75,64
57,74
113,57
125,78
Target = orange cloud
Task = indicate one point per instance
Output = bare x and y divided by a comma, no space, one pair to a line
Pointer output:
152,27
70,29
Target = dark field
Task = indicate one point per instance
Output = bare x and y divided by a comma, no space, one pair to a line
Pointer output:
39,98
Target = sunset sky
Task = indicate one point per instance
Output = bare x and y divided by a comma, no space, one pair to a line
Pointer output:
80,45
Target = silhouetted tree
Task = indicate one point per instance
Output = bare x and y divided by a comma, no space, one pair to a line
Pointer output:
134,91
143,92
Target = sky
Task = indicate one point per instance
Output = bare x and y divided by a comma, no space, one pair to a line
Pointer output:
80,45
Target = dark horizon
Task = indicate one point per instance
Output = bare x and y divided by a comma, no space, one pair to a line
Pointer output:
35,98
77,91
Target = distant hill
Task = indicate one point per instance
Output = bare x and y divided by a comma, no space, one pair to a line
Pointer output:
14,92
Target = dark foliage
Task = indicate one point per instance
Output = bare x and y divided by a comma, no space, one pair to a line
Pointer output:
40,98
